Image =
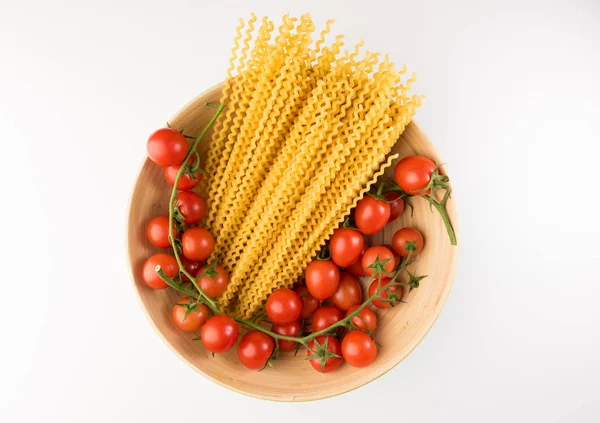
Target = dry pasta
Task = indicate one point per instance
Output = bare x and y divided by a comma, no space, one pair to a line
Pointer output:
305,133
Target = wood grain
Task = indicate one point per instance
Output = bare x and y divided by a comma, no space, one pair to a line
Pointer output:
399,330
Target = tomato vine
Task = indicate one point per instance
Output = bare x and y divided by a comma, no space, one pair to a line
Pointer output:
379,270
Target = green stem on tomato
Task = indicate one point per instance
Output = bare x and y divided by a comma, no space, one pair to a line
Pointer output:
191,151
200,295
305,340
355,312
441,208
179,287
268,332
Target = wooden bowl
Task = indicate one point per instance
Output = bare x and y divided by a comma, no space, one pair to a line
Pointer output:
399,329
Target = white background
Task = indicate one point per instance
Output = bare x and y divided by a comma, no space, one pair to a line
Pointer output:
512,104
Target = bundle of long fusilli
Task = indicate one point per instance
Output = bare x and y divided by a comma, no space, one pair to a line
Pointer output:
305,134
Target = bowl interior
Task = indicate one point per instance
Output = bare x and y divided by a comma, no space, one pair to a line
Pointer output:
399,329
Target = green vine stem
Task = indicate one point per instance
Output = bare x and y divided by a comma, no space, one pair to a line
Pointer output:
172,204
441,208
305,340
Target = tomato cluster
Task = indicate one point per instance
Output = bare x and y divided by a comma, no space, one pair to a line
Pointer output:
333,292
328,314
168,148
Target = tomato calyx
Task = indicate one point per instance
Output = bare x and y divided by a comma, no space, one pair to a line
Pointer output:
379,269
413,281
190,307
393,297
438,181
210,271
350,325
192,166
178,217
321,352
349,223
324,254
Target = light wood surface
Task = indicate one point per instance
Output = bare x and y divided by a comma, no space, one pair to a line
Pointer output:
399,329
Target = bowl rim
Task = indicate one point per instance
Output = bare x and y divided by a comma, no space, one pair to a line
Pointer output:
415,343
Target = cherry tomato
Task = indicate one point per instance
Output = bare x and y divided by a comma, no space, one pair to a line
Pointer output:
413,174
367,322
348,293
215,285
157,232
358,349
220,333
322,278
346,246
291,329
168,264
192,267
255,349
283,306
324,317
332,363
310,303
186,182
167,147
371,255
394,289
397,207
371,214
356,269
404,235
195,318
197,244
191,206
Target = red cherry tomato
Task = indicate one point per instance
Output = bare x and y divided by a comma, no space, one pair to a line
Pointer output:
371,215
359,349
397,207
322,278
356,269
220,333
157,232
215,285
348,293
365,320
394,289
186,181
413,174
167,147
404,235
291,329
371,255
283,306
324,317
168,264
255,349
192,320
192,267
333,346
310,303
191,206
197,244
346,246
